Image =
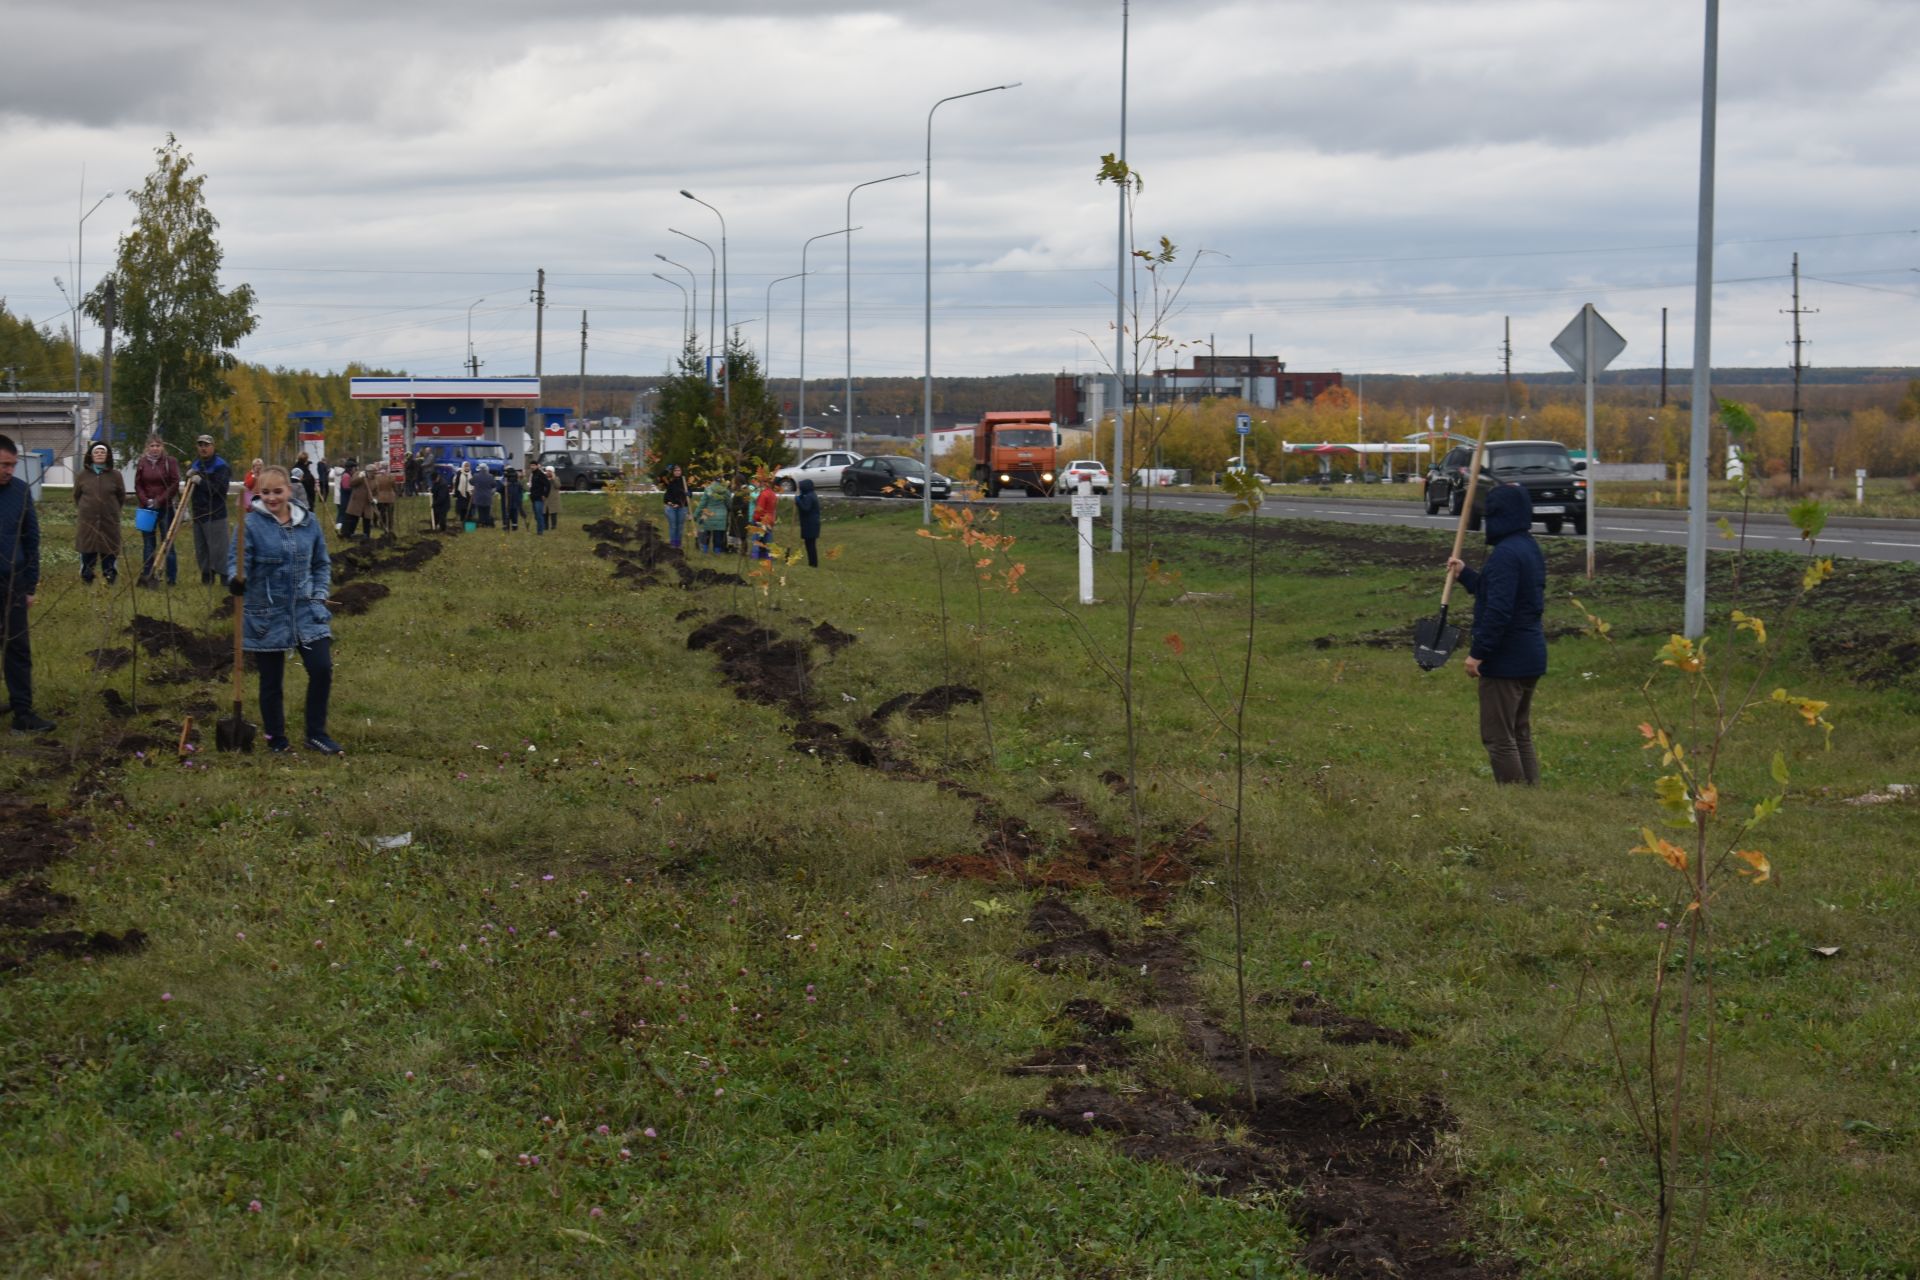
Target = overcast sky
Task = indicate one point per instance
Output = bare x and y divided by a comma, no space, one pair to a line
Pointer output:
1378,182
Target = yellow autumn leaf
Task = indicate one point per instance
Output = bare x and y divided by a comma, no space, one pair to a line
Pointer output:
1660,847
1747,622
1758,869
1684,654
1175,643
1817,572
1708,800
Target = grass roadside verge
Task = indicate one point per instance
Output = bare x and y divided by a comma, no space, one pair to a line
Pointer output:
872,1126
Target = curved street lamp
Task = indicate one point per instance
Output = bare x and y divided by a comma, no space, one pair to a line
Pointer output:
713,267
80,292
694,281
685,334
801,403
473,367
766,334
926,395
726,379
874,183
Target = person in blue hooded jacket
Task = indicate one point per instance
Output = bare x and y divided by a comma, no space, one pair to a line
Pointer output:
1509,651
284,583
806,504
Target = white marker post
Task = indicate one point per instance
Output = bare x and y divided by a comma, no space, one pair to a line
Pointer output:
1085,507
1859,485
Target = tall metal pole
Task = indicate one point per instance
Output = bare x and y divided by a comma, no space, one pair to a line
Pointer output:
693,280
1696,603
1506,379
581,412
1794,469
1120,313
766,332
1592,323
686,327
108,316
539,301
874,183
801,403
926,392
80,277
726,372
1663,357
713,276
473,365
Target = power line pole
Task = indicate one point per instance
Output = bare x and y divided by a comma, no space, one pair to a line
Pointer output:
1663,357
1793,466
539,300
109,314
1119,492
581,412
1506,382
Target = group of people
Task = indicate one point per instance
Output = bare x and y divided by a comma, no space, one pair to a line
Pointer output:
741,515
472,494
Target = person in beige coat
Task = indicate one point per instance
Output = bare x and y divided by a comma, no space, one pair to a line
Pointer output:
100,493
386,492
359,509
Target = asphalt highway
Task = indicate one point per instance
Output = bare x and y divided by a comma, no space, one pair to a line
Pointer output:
1862,539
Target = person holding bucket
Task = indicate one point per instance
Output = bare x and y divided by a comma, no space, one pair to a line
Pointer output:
156,487
1509,653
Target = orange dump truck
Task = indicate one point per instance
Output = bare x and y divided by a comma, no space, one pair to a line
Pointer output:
1016,450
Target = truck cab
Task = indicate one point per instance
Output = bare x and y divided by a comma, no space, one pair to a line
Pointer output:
1017,449
447,455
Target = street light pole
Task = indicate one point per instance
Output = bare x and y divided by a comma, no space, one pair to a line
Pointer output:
766,329
695,282
926,392
726,374
801,403
856,187
685,332
473,366
713,267
80,285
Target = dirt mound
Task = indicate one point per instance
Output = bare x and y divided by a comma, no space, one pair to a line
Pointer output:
32,837
830,742
1879,654
110,659
359,597
1095,1017
69,943
205,655
757,662
935,701
610,530
383,557
26,903
1309,1010
1054,918
832,638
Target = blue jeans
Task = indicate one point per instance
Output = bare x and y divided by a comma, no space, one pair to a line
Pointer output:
539,515
676,524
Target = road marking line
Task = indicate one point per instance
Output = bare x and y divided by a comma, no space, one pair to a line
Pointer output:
1894,544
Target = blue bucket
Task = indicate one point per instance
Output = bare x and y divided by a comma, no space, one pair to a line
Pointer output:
146,519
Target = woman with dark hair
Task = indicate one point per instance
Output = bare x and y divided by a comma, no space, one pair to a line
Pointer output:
99,493
676,503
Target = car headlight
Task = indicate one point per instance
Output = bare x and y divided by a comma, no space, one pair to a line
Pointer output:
1006,479
1047,476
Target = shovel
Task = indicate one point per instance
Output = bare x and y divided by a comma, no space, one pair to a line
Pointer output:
1434,638
234,733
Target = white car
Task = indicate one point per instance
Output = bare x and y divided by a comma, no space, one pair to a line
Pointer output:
822,468
1091,470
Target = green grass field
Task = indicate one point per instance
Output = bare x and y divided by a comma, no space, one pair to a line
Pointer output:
648,991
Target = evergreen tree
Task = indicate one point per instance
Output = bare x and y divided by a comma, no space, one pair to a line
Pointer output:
693,425
178,326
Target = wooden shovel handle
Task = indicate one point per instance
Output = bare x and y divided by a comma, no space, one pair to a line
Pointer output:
1466,507
239,602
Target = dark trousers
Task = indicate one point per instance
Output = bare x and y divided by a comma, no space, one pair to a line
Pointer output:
350,522
440,511
813,551
150,543
510,511
317,658
109,565
484,512
1506,728
18,655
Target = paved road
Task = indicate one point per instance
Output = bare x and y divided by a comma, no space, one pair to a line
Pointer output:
1844,536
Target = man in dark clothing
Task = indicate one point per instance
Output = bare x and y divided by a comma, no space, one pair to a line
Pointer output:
207,508
485,484
1509,653
19,582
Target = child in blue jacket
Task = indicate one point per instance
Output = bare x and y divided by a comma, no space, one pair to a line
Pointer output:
284,581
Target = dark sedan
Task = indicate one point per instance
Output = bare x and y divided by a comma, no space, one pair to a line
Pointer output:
889,476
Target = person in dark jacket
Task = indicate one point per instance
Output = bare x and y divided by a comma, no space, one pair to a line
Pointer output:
284,582
19,584
739,515
677,501
207,508
1509,652
99,496
442,489
806,505
539,489
512,499
485,485
303,488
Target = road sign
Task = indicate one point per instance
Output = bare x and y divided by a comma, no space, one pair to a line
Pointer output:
1088,506
1571,345
1243,424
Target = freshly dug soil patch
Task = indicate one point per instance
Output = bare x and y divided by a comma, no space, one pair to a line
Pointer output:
25,903
205,655
32,837
610,530
934,702
69,943
381,557
1159,1125
759,665
110,659
1012,854
1309,1010
1094,1016
832,638
830,742
359,597
1878,654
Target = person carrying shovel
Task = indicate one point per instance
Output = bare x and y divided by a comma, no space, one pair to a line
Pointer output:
284,580
1509,652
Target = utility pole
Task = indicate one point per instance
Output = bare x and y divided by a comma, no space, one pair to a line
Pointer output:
539,300
1663,357
1793,468
1506,381
581,412
1119,493
108,315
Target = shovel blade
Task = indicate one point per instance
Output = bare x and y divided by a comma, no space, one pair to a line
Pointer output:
1434,640
234,734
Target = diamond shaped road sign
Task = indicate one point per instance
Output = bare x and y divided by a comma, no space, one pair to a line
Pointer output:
1571,345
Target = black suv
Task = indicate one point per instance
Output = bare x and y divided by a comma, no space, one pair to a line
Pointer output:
1541,466
580,468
